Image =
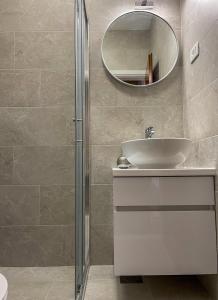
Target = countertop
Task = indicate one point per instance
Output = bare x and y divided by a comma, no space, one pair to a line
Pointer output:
133,172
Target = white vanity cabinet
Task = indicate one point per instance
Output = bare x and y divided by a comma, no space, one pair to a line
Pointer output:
164,222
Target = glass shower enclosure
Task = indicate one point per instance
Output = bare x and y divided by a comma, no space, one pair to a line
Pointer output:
82,166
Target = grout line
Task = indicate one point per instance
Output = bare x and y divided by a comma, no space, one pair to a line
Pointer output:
41,106
38,70
37,31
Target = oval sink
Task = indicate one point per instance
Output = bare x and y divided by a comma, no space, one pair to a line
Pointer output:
156,153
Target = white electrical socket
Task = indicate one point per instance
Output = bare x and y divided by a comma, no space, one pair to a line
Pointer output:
194,52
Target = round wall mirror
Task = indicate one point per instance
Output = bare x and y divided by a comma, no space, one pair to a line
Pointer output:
140,48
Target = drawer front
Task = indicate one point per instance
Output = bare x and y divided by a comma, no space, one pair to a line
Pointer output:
158,243
140,191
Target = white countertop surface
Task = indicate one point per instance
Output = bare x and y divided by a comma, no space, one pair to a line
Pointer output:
164,172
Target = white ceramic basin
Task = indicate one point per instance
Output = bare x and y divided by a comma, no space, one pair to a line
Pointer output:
156,153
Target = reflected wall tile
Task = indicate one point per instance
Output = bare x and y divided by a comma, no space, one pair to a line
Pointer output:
6,165
19,205
19,88
101,205
35,246
102,245
43,165
57,88
36,126
57,205
103,159
6,50
45,50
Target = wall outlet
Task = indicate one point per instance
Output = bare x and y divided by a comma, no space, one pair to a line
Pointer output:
194,52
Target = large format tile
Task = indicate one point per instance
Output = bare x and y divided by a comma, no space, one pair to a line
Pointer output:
40,283
61,290
36,245
103,159
111,126
6,165
45,50
6,50
102,284
101,205
16,15
122,124
57,205
19,88
38,274
106,91
101,272
111,289
19,205
43,165
204,105
102,245
29,291
36,126
57,88
203,71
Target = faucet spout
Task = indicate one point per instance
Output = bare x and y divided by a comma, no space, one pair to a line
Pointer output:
149,132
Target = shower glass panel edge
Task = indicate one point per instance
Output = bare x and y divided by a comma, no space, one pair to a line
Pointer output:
81,149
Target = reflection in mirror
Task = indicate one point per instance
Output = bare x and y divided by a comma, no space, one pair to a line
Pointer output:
139,48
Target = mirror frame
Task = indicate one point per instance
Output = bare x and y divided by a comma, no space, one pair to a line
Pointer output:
145,85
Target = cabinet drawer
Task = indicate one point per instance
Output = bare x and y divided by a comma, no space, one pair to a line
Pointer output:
170,243
140,191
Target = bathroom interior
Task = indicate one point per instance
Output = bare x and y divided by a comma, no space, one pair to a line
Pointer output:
108,149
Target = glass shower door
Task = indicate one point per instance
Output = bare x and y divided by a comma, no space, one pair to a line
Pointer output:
81,148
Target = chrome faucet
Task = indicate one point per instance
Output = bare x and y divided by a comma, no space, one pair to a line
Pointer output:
149,132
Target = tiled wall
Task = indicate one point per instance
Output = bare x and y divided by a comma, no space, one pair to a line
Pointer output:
36,138
200,23
119,113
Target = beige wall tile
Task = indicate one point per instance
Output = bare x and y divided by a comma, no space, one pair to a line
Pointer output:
103,159
199,23
19,205
36,126
57,88
102,245
101,205
6,165
201,113
26,15
45,50
122,124
6,50
57,205
36,245
19,88
43,165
